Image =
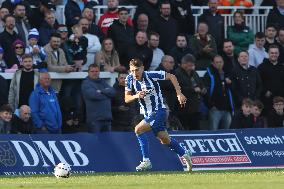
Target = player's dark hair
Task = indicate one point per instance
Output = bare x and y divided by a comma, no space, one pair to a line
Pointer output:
135,62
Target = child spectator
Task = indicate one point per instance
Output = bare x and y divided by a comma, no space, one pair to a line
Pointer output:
243,118
3,65
276,116
259,121
34,49
5,119
78,45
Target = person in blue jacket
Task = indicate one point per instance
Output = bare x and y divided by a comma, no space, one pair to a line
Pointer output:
45,110
97,95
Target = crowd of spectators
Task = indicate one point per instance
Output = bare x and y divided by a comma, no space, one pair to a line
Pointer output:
243,84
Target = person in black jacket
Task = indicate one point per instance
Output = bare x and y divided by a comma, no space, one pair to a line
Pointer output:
22,123
122,113
122,35
167,88
3,91
193,89
180,49
72,13
181,11
275,16
276,116
141,50
272,75
7,38
219,98
246,80
229,57
243,118
215,23
166,27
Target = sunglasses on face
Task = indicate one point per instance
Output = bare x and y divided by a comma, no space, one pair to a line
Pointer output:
19,47
62,30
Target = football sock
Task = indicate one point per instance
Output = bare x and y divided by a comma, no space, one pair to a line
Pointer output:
174,145
144,145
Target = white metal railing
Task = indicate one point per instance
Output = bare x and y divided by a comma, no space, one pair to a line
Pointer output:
256,20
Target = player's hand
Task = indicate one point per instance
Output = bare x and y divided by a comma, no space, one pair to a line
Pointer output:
182,100
140,94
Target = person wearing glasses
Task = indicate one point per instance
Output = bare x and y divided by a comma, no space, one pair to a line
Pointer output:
143,86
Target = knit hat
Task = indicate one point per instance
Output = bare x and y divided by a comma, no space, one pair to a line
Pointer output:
18,42
33,33
1,50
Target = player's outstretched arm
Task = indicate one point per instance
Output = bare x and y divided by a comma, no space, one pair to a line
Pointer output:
181,98
129,97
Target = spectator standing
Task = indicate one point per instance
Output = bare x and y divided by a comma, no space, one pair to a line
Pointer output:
246,80
107,58
122,35
181,11
257,52
229,57
23,83
219,97
215,22
239,33
22,123
271,72
93,28
7,37
5,119
55,59
243,119
122,113
72,13
3,12
94,44
97,95
142,23
270,36
193,89
3,91
281,44
203,46
153,43
63,32
34,49
140,50
151,9
181,48
276,115
276,16
162,25
22,24
112,14
47,28
19,49
45,109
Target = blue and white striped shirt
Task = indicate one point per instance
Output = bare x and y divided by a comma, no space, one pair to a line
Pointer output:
153,99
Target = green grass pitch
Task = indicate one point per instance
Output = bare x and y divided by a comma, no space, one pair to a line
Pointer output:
273,179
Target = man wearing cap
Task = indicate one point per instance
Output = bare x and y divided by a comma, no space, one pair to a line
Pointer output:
107,19
34,49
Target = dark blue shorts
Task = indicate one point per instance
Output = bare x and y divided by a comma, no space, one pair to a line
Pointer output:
157,121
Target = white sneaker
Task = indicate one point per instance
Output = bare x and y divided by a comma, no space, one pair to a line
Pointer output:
144,166
187,157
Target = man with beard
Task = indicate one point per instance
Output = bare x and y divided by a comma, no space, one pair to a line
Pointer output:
93,28
94,44
106,20
3,12
7,37
22,24
166,27
23,83
230,59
